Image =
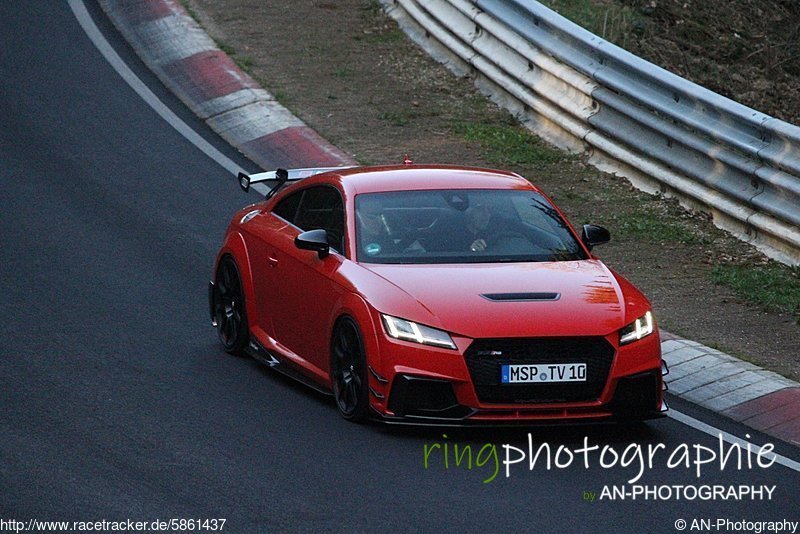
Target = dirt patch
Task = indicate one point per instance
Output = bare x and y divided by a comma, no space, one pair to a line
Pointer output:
747,50
350,73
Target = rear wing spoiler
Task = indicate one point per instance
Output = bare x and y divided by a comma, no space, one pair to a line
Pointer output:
277,178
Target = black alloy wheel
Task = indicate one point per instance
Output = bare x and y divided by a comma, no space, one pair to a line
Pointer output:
229,308
349,371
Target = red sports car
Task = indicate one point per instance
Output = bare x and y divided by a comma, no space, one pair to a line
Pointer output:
434,294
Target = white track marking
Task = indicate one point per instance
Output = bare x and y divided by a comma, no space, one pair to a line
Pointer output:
92,31
730,438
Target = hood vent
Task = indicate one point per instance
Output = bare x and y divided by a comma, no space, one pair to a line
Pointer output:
520,297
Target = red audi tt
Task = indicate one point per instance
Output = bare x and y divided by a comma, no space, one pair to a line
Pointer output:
434,294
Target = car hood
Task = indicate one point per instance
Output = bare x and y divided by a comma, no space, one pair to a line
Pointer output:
500,300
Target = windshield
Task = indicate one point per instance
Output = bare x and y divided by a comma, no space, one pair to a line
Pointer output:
461,226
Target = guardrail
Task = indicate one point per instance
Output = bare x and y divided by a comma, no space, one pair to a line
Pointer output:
633,118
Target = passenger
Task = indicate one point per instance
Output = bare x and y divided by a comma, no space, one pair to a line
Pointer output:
375,237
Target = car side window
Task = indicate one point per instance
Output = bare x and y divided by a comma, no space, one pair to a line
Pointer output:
287,208
322,207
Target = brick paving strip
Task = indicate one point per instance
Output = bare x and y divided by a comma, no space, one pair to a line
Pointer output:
758,398
188,62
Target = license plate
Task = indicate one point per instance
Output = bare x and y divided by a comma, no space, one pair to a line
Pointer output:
543,373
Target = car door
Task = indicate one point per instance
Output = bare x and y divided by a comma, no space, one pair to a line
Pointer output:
264,232
304,291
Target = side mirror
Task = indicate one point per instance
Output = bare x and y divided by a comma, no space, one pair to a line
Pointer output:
316,240
594,235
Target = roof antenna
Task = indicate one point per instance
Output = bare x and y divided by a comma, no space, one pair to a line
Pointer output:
407,160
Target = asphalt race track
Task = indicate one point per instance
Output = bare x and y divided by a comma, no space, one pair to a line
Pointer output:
116,401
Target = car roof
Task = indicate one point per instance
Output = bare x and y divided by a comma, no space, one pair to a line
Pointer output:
359,180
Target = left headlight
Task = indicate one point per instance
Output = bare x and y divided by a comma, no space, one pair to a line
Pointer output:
418,333
640,328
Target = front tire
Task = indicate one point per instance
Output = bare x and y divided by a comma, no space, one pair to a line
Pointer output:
229,310
349,371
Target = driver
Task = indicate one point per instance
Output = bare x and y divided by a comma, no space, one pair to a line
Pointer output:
485,229
478,218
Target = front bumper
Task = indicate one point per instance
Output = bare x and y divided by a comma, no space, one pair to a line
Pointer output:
415,384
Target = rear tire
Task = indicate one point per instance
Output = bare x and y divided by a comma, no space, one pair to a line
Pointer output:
229,309
349,371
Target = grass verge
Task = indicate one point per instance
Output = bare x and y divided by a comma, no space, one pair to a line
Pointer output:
774,286
612,22
507,145
652,225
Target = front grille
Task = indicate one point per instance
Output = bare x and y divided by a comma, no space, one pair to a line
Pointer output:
485,356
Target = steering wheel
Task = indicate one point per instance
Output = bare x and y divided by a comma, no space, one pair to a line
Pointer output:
503,238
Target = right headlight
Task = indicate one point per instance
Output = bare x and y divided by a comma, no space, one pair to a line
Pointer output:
640,328
411,331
